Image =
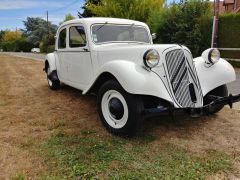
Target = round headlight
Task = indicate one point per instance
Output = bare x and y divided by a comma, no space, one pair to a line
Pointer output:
211,56
214,56
151,58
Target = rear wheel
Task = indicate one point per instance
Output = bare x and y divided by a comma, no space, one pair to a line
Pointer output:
119,111
220,91
53,84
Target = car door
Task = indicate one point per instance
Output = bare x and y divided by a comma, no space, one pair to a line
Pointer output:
61,50
80,70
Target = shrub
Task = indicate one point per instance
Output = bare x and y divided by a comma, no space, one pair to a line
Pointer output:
229,34
17,45
229,31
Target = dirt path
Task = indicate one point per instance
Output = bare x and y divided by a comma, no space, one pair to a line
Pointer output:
30,112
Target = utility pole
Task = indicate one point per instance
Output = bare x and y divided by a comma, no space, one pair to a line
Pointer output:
215,24
47,32
16,32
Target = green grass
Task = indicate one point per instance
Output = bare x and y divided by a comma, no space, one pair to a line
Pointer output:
18,176
91,156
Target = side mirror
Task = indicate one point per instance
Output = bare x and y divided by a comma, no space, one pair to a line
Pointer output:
154,36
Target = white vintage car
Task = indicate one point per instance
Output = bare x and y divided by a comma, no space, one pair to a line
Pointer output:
133,78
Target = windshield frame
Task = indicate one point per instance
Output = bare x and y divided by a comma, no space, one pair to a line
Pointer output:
118,24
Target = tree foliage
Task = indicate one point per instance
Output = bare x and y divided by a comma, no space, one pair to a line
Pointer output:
129,9
68,17
47,44
36,29
1,35
187,23
11,35
86,12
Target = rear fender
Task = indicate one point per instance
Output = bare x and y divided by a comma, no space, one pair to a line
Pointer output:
51,60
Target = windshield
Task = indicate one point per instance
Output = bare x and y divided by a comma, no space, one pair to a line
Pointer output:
103,33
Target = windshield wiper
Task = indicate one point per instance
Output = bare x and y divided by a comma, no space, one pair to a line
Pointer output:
131,26
101,27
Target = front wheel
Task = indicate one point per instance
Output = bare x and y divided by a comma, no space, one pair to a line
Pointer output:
119,111
221,91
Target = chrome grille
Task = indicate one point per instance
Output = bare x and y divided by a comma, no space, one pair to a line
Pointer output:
179,77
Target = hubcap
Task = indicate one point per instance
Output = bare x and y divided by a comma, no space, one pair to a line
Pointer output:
114,109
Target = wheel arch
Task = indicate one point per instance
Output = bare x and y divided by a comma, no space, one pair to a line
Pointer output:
50,61
102,78
212,77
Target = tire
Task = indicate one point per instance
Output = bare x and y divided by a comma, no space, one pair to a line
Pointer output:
221,91
119,111
53,84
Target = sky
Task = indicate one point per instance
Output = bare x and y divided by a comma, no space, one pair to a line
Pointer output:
13,12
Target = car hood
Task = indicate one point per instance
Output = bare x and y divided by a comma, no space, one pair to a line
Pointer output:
127,51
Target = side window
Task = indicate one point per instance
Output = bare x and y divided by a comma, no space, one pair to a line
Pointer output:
77,37
62,39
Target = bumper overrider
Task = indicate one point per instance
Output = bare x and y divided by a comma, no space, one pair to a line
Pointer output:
196,111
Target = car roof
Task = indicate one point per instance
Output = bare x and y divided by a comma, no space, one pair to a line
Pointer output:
96,20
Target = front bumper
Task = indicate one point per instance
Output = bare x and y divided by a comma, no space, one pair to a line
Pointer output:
195,112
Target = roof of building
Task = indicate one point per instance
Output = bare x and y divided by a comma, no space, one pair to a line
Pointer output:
225,2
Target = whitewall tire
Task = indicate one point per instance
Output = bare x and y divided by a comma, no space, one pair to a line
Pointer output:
119,111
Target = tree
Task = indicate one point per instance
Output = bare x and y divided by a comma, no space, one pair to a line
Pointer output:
134,9
11,35
1,35
1,38
86,11
187,23
36,29
68,17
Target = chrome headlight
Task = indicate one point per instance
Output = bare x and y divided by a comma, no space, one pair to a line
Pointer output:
151,58
211,56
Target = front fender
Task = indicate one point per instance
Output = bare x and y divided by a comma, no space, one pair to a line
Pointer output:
134,79
211,77
50,58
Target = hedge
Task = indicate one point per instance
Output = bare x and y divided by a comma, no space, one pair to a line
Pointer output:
17,45
229,34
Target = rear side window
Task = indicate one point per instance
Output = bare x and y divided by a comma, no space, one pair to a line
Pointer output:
62,39
77,37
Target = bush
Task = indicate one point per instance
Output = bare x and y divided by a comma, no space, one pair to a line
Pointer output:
17,45
229,35
187,23
229,31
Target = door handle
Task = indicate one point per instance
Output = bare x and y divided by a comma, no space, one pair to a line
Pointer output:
86,49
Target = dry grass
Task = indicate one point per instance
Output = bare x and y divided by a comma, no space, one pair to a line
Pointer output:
31,115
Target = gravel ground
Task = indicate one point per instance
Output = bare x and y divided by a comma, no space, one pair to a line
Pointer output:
35,56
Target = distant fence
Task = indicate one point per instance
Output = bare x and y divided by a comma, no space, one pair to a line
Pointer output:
228,55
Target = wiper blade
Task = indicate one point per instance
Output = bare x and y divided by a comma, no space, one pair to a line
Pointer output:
131,26
101,27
